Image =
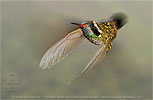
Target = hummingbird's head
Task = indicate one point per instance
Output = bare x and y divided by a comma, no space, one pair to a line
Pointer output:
82,25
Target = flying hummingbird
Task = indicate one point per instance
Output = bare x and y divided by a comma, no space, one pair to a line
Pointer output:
101,34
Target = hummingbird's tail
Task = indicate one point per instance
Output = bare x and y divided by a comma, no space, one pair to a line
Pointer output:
120,19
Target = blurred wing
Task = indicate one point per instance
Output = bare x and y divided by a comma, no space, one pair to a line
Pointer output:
100,54
61,49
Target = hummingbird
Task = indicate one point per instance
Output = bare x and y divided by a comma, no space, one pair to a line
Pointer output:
101,34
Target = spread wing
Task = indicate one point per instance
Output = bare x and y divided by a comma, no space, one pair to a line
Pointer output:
100,54
61,49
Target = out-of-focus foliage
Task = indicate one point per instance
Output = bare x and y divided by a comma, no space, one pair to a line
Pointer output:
30,28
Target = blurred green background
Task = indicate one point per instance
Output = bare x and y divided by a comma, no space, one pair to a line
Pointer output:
29,28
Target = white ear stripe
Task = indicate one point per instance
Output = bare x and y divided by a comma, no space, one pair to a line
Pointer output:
97,27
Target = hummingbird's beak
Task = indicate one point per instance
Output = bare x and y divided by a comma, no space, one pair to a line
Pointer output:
81,25
75,24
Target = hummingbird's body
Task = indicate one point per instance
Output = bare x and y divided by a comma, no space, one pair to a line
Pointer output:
101,34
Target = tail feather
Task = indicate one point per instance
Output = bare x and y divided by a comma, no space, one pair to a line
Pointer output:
120,19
